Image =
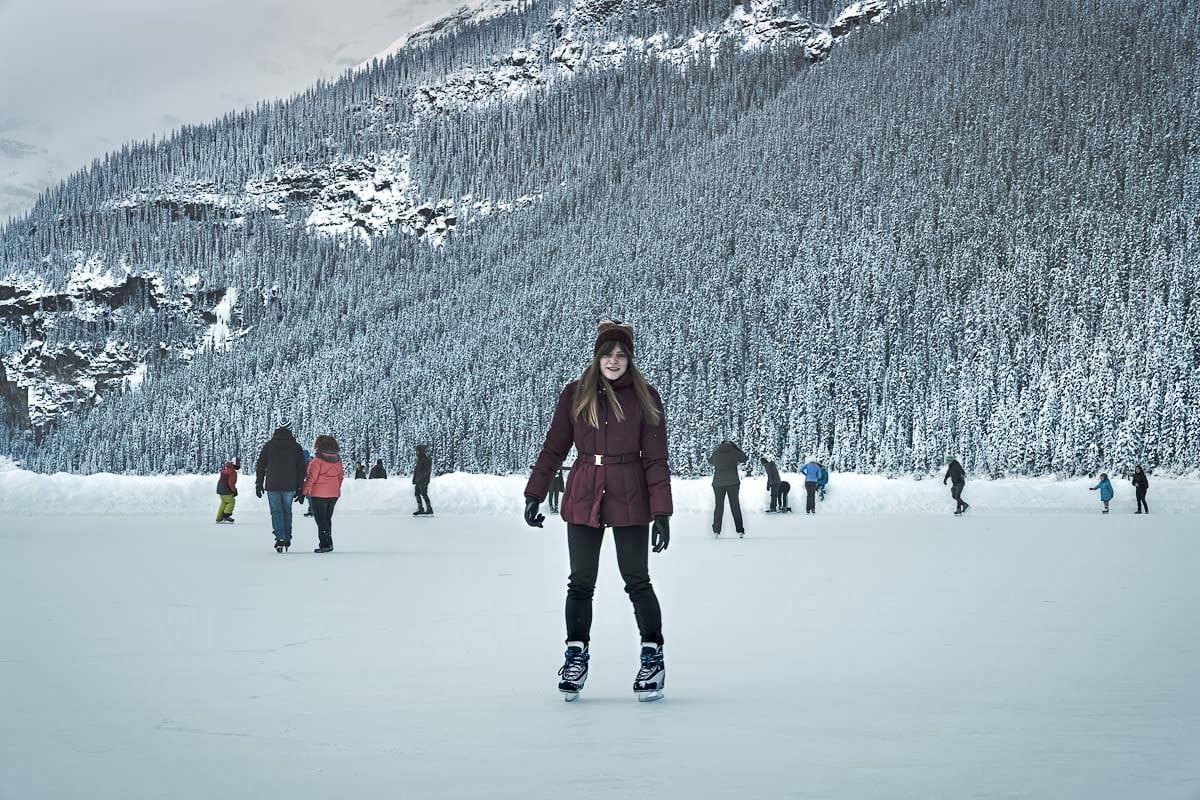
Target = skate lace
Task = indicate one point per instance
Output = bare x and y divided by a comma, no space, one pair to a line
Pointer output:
572,669
651,663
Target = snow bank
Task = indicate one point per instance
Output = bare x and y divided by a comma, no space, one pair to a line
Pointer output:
462,493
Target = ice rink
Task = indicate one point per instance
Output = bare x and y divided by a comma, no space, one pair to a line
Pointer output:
909,655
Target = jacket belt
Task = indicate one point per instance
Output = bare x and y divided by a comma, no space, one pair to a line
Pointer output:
601,460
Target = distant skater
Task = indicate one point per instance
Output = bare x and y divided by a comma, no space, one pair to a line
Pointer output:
378,472
812,474
822,481
1106,491
420,479
958,479
1141,484
323,487
227,489
620,479
727,483
778,487
556,489
280,472
360,471
308,457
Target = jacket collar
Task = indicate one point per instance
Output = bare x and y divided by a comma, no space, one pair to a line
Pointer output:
622,382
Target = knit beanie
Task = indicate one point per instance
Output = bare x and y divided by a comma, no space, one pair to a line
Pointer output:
611,330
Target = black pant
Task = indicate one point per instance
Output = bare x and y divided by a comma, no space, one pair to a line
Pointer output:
810,500
554,495
633,549
1141,498
735,507
956,493
422,492
779,495
322,510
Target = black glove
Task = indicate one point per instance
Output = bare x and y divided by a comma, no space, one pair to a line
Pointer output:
532,518
299,498
235,492
661,537
258,491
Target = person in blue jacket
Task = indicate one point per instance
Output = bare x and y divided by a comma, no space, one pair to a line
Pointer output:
307,458
1106,491
812,474
822,480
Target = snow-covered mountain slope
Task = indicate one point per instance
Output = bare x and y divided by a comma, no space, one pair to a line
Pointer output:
860,229
373,194
45,381
473,13
376,195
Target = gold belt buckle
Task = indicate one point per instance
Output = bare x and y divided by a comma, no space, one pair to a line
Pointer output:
599,460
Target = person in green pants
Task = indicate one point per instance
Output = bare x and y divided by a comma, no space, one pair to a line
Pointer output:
227,489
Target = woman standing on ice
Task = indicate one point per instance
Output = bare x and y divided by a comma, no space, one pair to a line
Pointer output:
727,483
621,480
323,487
1141,484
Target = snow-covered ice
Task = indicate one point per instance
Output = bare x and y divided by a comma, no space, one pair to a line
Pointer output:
1014,653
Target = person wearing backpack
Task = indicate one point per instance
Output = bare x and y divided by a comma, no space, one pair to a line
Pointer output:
227,490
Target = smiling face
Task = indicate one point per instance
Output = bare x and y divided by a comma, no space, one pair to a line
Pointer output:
614,361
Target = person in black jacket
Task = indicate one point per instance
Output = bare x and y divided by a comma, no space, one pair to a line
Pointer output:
557,485
378,471
958,479
726,481
280,472
360,471
1140,485
778,487
420,479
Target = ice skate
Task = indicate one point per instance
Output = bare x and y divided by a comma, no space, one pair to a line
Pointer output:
652,675
574,670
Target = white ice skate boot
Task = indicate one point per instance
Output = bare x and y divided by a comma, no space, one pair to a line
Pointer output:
652,676
574,670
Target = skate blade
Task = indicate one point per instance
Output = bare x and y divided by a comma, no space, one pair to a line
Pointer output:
570,697
650,697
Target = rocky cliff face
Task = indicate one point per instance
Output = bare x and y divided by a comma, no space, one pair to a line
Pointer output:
40,381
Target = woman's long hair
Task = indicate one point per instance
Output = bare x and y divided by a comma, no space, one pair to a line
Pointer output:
587,403
327,444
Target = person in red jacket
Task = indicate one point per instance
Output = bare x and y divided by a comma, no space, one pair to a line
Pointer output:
227,489
620,480
323,487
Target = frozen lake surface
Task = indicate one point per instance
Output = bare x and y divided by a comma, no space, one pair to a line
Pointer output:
838,656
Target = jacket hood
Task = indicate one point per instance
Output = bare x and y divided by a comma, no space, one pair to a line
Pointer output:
283,434
332,458
726,447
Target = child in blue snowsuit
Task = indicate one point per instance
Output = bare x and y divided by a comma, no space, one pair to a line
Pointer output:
822,480
1106,490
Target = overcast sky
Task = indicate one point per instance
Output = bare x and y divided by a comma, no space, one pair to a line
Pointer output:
80,77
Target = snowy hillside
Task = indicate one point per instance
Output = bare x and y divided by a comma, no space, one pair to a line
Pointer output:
861,229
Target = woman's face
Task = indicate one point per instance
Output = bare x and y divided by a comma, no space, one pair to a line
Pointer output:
614,364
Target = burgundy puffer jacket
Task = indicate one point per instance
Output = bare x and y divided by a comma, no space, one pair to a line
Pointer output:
620,476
